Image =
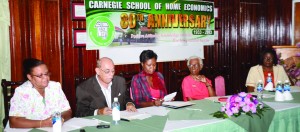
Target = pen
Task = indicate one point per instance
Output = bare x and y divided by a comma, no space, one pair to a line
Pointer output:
122,119
99,121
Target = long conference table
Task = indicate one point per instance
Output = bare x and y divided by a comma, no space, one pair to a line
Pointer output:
281,117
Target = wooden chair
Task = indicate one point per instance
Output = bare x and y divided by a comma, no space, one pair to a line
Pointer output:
8,91
128,77
220,86
78,80
177,78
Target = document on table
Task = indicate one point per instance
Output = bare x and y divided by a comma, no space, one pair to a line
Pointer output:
134,115
17,129
295,89
177,104
73,124
169,97
154,110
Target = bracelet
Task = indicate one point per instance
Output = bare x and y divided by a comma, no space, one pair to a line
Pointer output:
41,123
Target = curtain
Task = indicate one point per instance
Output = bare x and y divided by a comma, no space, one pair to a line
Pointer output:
5,71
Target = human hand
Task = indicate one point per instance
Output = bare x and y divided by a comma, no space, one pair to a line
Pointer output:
46,123
104,111
202,78
199,78
130,107
158,102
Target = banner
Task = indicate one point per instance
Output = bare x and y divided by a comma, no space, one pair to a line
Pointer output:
140,23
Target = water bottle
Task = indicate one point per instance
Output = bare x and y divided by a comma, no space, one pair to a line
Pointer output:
56,121
116,111
269,78
287,85
287,94
279,86
259,89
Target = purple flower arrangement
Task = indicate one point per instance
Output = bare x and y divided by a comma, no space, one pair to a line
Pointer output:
293,71
241,103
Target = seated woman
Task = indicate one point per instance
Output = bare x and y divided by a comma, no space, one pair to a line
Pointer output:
37,99
267,64
148,87
196,86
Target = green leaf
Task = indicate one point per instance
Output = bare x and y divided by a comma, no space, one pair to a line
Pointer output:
219,114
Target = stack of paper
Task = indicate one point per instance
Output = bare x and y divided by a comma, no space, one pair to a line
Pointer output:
177,104
73,124
154,110
134,115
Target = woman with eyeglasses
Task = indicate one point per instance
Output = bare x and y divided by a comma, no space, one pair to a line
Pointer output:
34,102
148,87
196,86
267,64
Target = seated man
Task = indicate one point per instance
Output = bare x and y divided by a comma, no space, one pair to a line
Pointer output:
95,95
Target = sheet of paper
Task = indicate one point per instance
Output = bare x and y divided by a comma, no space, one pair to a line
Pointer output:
154,110
279,106
177,103
8,129
169,97
73,124
295,89
134,115
268,95
17,129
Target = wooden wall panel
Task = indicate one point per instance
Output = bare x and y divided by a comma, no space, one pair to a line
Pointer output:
51,46
76,61
297,23
19,37
34,33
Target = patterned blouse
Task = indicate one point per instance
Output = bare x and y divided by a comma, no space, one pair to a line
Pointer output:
27,101
140,89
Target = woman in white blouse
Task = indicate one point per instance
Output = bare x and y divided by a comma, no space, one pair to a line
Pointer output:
37,99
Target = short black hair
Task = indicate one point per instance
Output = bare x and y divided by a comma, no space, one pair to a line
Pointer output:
29,64
146,55
264,52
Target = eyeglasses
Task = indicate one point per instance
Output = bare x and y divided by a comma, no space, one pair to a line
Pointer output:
194,65
268,59
107,71
41,75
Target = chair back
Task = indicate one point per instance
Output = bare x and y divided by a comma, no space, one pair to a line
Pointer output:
220,86
128,77
8,89
78,80
177,77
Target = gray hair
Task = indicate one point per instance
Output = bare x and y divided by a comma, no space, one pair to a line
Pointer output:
99,61
194,57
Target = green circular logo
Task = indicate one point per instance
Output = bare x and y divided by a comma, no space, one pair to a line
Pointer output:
101,31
